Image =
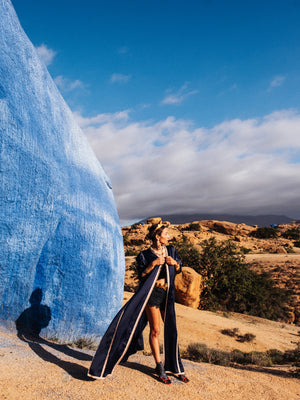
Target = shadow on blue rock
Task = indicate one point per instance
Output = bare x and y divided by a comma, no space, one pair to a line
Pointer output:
29,325
34,318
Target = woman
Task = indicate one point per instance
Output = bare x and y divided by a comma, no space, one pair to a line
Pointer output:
156,267
161,300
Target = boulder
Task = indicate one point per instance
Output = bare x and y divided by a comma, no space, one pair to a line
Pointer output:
228,228
153,221
281,250
62,257
188,287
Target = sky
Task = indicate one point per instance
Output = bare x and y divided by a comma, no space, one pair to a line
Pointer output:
190,106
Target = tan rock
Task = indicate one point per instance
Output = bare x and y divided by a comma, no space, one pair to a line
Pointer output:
188,287
153,221
228,228
281,250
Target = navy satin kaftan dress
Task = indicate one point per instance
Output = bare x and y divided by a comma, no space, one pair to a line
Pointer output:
124,335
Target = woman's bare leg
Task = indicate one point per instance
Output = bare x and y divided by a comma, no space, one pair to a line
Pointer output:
153,315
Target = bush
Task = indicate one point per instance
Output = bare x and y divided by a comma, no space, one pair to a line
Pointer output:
199,352
246,250
135,226
261,359
193,227
248,337
239,357
276,356
230,332
293,234
265,233
85,343
130,252
189,255
230,285
126,239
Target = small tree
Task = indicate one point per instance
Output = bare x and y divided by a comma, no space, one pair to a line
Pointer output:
265,233
189,255
293,234
231,285
194,226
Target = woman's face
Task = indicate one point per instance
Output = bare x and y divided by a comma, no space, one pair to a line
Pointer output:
164,237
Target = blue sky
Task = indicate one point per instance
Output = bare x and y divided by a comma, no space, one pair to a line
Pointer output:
191,106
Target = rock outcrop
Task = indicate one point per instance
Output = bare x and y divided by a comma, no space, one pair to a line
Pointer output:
61,242
188,287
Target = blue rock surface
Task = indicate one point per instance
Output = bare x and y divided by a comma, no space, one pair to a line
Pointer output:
61,247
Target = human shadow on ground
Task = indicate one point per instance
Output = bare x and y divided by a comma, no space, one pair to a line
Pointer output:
145,370
140,367
29,325
264,370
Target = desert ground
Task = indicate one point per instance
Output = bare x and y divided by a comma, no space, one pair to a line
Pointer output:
35,370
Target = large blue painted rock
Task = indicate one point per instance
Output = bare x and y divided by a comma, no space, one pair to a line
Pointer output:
61,251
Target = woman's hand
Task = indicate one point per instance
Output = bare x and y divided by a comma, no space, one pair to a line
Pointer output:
170,261
157,261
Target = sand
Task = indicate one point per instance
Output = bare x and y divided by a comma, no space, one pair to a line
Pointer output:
45,370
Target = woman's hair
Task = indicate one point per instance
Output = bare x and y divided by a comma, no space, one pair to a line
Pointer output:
154,230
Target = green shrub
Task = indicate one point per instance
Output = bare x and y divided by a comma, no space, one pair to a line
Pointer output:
265,233
293,234
201,353
239,357
189,255
130,252
247,337
246,250
276,356
230,285
126,240
261,359
197,352
135,226
85,343
193,227
230,332
219,357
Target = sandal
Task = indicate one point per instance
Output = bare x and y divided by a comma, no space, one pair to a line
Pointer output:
162,376
183,378
166,381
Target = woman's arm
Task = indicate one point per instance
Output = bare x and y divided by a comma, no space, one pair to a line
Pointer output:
150,267
143,268
175,260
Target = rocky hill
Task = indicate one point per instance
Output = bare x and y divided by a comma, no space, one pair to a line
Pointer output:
279,256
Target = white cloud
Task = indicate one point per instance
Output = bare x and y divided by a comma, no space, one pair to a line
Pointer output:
66,85
277,81
46,54
240,166
101,118
120,78
179,96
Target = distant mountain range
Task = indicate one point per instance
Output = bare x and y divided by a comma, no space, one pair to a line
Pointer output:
260,220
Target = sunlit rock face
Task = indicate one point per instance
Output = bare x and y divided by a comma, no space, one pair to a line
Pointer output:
60,230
